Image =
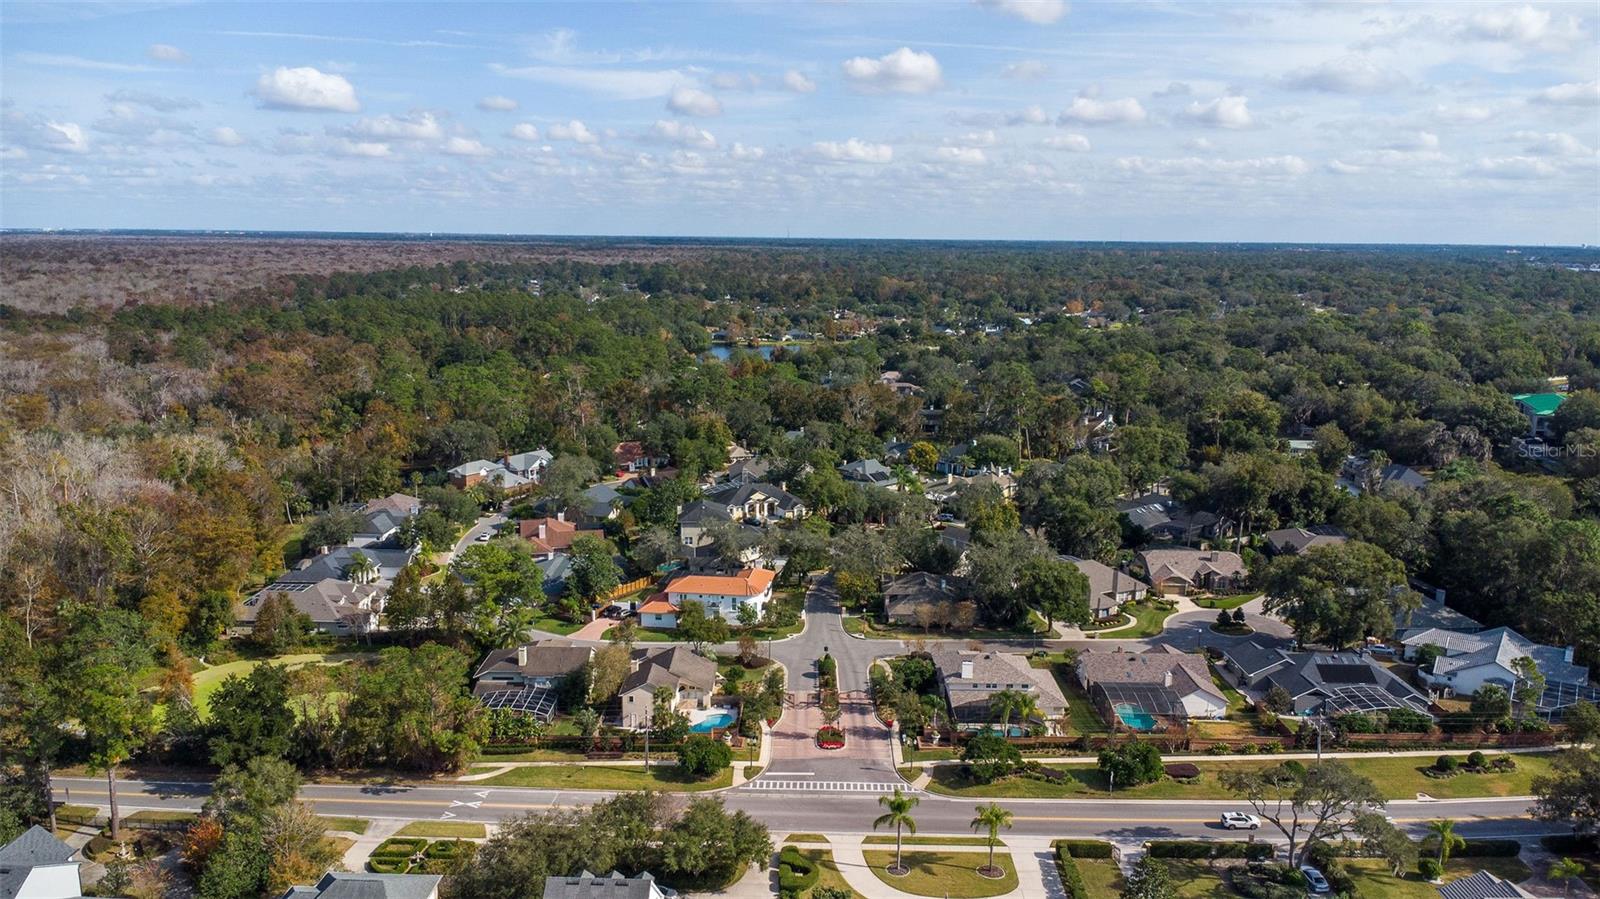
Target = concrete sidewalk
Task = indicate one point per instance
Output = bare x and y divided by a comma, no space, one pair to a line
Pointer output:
1269,756
1033,858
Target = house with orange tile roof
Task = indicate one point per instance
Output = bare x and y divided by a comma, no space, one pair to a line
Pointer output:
549,535
724,594
659,612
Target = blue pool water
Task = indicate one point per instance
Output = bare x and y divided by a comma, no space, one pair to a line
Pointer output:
1135,718
712,722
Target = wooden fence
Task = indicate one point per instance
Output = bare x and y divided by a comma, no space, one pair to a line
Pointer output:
631,586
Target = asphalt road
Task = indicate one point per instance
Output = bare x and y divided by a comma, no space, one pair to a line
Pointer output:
815,811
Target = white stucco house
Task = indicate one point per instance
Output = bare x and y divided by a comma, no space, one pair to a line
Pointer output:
724,595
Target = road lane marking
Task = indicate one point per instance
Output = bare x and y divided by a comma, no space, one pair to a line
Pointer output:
826,786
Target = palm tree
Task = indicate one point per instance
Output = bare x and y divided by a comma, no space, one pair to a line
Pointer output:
1006,703
899,815
1564,870
993,817
1445,830
360,569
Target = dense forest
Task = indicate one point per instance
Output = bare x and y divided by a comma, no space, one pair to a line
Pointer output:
161,461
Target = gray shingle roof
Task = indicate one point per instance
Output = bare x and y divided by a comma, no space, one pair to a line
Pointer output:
1482,885
33,848
614,886
546,658
360,885
1501,646
1101,582
1190,673
1297,540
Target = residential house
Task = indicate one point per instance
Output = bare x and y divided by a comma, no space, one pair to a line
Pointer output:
970,679
1483,884
1000,480
1357,475
400,505
483,471
1301,446
957,538
1294,541
335,606
631,456
1432,615
748,470
37,865
689,679
870,472
370,564
737,454
1165,519
1333,683
1109,588
1097,428
894,381
362,885
614,886
1175,686
659,612
542,665
757,502
601,502
957,460
921,598
549,536
725,595
530,465
1185,571
377,526
696,520
1539,409
1469,661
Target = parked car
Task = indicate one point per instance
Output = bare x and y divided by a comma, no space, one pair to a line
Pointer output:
1240,821
1315,880
484,537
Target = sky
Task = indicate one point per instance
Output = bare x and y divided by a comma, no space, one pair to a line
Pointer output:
996,119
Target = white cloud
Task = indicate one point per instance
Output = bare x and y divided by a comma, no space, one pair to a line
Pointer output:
623,84
1516,168
1462,115
1523,25
465,146
157,102
975,139
1223,112
746,154
418,126
1553,143
1174,89
1087,110
366,149
1039,12
1345,168
1199,143
1263,166
693,101
306,88
1075,143
1033,115
65,137
686,135
573,131
525,131
166,53
1573,93
797,81
904,71
1025,70
1346,75
225,136
497,103
853,150
961,155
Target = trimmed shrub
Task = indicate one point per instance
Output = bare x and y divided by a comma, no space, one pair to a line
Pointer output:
1569,843
1490,849
831,893
700,757
1476,760
796,873
1207,849
1183,771
389,865
1071,878
404,847
1446,763
1268,881
1429,868
1085,848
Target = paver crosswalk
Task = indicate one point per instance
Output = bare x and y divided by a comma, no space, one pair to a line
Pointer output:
824,786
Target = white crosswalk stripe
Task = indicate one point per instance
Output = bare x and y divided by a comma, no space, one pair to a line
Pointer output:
826,786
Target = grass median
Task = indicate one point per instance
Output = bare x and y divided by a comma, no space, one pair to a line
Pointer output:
949,874
595,777
1397,777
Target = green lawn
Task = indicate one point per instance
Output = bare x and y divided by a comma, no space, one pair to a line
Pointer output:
805,838
1084,719
942,754
558,626
353,825
830,876
1397,777
1147,621
579,777
1196,879
888,840
1225,602
159,816
447,829
1372,876
1100,875
948,874
206,682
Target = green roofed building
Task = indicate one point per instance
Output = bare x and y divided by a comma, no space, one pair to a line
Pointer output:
1539,408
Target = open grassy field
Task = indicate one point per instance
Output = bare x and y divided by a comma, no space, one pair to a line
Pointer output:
1147,621
351,825
578,777
207,681
1398,777
948,874
1372,876
1225,602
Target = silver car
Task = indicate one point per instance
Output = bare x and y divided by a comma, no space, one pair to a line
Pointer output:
1315,880
1239,821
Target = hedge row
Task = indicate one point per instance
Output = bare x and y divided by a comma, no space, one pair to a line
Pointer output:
1071,878
1208,849
1564,843
400,847
1085,848
1490,849
796,873
576,745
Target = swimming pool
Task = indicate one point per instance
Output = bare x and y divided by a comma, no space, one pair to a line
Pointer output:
1134,717
714,719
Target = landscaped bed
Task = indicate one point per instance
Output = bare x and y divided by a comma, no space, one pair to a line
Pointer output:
952,874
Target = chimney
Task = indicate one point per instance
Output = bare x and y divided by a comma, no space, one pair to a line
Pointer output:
784,486
561,516
522,656
966,669
1566,656
1166,679
542,527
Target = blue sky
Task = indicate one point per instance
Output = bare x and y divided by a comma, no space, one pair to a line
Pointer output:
1035,119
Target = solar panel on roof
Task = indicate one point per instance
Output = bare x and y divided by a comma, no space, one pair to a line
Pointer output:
1346,674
